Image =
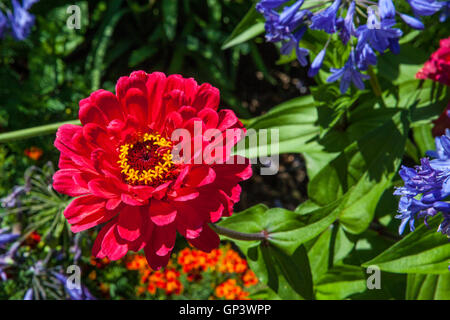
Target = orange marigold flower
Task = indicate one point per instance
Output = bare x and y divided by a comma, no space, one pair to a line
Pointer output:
99,263
34,153
249,278
104,287
151,288
230,290
233,263
140,291
136,262
93,275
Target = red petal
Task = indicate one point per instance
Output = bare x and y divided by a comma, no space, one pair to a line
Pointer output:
207,97
162,213
129,223
154,261
82,207
163,239
207,241
64,182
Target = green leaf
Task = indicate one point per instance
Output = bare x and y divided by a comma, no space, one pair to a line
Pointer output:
288,275
424,138
328,249
286,230
95,59
428,287
281,261
340,283
423,251
362,172
249,27
294,121
170,14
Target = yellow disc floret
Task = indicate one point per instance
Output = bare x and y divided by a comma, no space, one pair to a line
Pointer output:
146,161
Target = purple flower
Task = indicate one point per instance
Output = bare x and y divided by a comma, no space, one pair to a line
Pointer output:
326,19
365,56
347,26
444,227
20,20
28,295
425,7
374,30
294,43
3,24
377,33
8,237
426,187
412,22
13,199
265,5
445,12
317,64
348,74
81,293
387,9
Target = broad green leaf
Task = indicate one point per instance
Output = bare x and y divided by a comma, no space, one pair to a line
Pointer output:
286,230
289,276
428,287
294,121
340,283
400,68
329,248
280,260
250,26
264,294
362,172
423,138
423,251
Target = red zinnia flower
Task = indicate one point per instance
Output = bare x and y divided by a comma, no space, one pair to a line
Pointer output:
437,68
120,166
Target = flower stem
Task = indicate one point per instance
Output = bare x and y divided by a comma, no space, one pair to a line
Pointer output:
260,236
33,132
374,82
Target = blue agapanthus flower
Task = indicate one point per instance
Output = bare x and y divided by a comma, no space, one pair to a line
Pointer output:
367,27
7,237
348,74
81,293
445,12
19,21
426,188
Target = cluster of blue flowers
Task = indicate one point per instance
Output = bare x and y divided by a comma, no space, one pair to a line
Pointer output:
426,188
19,21
6,259
344,17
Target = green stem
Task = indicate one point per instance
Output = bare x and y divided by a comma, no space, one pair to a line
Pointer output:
374,82
260,236
33,132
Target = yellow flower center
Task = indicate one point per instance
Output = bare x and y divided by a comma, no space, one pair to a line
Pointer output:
146,161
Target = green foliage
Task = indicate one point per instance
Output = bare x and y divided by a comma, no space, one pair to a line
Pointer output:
353,145
423,251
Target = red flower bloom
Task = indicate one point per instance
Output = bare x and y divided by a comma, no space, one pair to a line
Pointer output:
120,166
437,68
441,123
